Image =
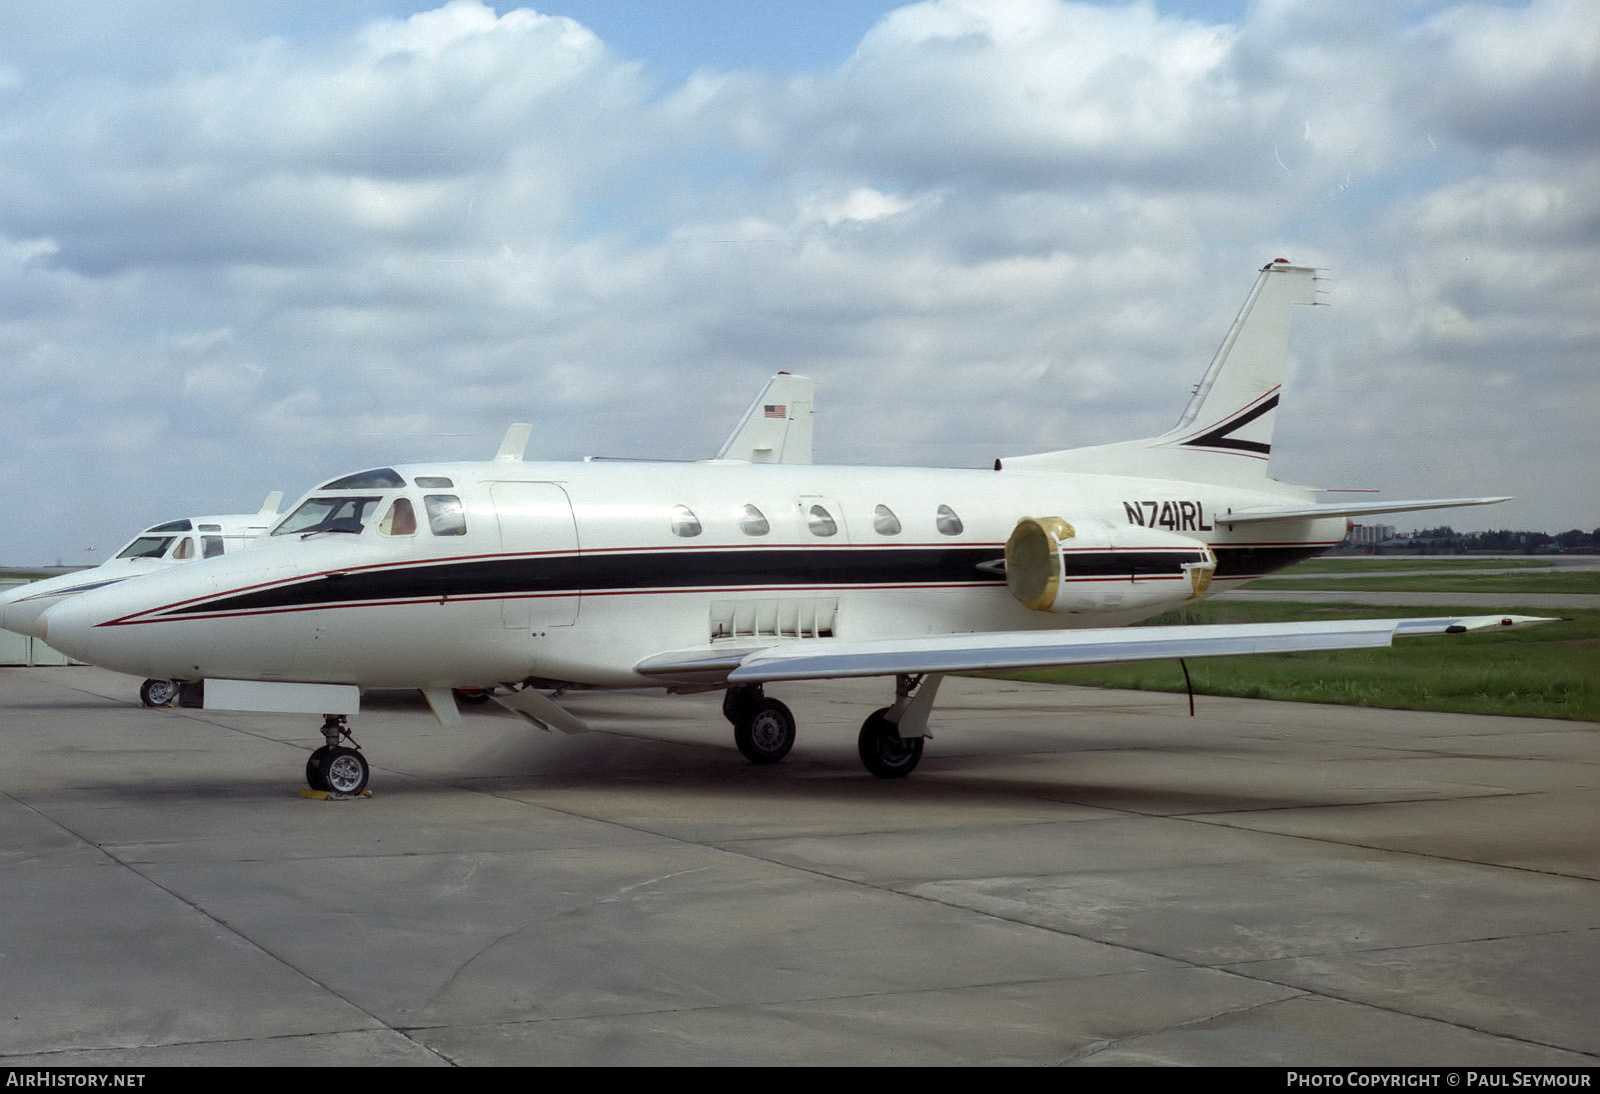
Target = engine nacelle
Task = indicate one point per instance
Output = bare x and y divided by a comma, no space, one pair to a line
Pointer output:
1054,566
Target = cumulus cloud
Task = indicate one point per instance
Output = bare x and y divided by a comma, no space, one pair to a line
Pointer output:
249,246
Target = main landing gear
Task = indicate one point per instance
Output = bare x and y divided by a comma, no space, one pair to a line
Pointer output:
335,768
762,728
890,743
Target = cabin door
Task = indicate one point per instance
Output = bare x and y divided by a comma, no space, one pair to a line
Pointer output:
538,533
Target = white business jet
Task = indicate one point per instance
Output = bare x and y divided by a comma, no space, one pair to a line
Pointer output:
167,544
747,570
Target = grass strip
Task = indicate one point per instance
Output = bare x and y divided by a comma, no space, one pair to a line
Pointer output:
1346,564
1584,581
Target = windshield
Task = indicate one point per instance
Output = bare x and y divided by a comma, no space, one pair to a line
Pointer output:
327,515
146,547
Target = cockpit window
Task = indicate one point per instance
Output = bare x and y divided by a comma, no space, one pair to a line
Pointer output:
146,547
434,482
381,478
185,549
211,546
173,526
400,520
445,515
211,527
327,515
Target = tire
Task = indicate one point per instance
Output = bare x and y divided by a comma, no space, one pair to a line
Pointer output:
345,771
737,702
314,776
766,733
883,751
158,693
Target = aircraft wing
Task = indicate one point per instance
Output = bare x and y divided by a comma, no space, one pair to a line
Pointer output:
1260,513
812,659
777,427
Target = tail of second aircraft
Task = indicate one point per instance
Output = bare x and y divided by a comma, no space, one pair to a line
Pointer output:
1225,433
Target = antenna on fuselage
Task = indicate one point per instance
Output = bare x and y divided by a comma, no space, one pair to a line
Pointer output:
514,443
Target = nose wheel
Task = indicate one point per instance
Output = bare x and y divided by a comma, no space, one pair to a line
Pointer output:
335,768
158,693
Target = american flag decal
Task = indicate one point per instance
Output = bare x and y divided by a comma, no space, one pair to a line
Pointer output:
771,411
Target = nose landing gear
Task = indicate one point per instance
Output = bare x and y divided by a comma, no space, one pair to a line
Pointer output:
334,768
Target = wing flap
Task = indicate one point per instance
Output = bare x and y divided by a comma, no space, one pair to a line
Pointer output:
810,659
1261,513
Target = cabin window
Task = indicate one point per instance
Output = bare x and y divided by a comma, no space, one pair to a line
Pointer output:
400,520
376,479
434,482
684,522
146,547
185,549
326,515
754,522
949,524
884,522
210,546
821,521
446,517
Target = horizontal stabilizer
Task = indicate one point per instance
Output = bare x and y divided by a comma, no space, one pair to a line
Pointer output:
1261,513
814,659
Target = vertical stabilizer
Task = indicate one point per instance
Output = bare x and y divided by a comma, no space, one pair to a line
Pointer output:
777,427
1225,433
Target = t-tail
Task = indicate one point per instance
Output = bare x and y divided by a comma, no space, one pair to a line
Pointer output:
1225,433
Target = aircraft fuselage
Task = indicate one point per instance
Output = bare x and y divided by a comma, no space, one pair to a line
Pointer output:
578,572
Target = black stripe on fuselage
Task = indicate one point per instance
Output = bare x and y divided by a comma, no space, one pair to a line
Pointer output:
733,569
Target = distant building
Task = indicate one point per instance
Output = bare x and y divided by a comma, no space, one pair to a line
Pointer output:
1368,537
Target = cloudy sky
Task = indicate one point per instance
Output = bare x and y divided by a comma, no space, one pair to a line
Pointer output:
247,246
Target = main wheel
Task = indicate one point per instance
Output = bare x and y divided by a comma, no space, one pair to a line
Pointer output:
158,693
737,702
345,771
314,776
766,732
883,751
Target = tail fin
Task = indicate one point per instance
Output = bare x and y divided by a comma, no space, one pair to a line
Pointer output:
777,427
1225,433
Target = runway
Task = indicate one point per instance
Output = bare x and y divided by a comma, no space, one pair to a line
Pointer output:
1073,876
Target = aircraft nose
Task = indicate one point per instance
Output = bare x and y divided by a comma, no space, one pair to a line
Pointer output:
19,615
64,628
74,627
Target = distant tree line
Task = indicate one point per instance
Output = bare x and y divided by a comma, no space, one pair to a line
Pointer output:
1445,540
